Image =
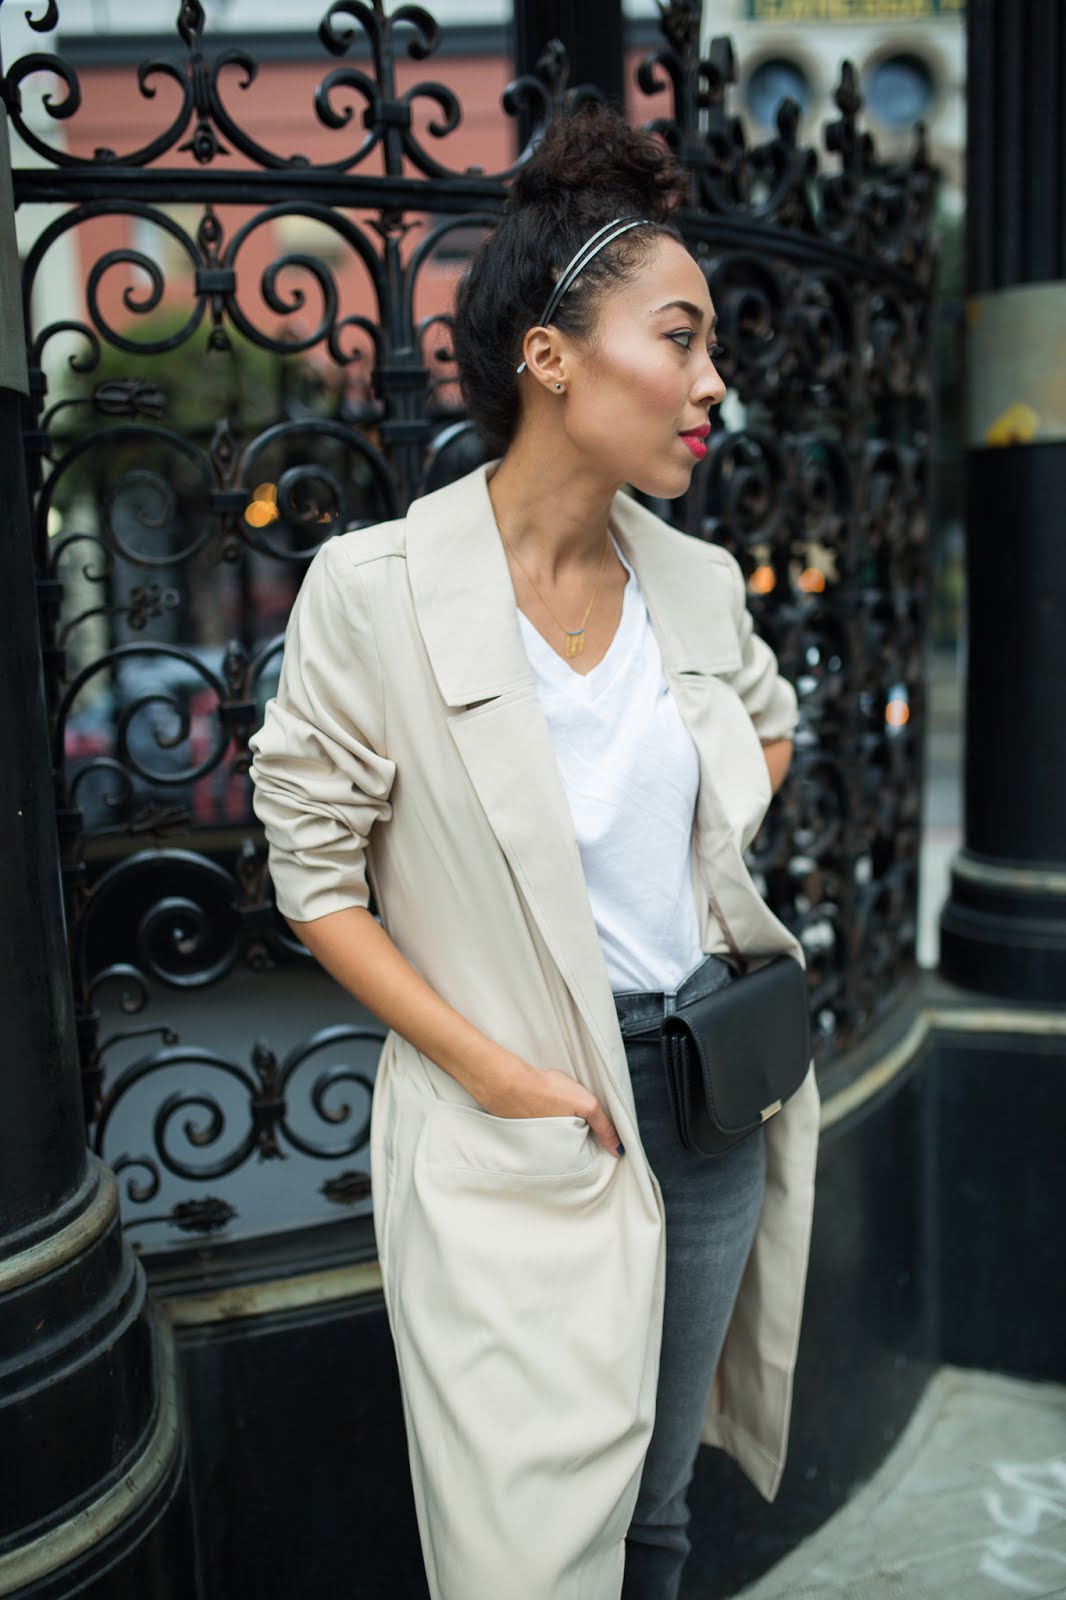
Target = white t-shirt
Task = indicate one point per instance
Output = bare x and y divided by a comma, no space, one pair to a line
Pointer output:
631,775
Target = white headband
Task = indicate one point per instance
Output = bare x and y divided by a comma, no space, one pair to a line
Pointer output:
599,241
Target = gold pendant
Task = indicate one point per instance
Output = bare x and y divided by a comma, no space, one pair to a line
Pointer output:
575,642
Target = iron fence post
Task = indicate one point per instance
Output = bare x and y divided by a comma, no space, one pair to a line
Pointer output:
591,34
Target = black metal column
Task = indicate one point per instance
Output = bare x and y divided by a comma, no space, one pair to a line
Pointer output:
592,32
1004,926
89,1442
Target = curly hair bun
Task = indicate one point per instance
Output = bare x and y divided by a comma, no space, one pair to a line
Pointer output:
594,156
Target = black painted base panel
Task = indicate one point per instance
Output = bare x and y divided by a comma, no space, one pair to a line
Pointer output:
1002,1201
299,1457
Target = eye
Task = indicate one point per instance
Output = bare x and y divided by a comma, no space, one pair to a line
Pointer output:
716,350
682,337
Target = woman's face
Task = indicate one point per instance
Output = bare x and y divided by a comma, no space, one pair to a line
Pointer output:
638,393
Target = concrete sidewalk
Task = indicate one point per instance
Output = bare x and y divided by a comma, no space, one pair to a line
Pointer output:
970,1505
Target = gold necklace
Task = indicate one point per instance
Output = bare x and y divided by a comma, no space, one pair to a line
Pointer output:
575,637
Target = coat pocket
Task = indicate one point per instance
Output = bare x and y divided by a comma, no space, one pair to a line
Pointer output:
511,1149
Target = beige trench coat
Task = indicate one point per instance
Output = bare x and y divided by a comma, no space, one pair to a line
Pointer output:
522,1264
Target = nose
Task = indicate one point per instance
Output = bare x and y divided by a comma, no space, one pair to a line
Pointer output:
709,389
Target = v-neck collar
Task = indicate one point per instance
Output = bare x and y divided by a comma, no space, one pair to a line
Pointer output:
550,666
464,595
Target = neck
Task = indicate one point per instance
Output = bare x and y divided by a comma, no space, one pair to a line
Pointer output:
551,508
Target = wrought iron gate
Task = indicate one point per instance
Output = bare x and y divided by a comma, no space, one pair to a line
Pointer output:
254,356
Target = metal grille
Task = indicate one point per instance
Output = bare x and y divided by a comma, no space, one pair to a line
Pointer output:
251,353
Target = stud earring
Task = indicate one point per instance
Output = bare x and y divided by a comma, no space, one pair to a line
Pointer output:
558,385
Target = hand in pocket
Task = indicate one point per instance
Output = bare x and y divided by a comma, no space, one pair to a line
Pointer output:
533,1092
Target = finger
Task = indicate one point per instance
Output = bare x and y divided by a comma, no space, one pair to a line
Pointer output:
605,1130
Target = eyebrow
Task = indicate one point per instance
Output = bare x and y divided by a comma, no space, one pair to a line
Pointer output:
687,306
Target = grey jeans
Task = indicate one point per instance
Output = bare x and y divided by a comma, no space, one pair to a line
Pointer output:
712,1210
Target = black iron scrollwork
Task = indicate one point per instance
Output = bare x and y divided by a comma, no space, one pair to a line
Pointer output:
187,1121
261,358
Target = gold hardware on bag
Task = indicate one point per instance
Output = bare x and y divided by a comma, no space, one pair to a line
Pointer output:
768,1111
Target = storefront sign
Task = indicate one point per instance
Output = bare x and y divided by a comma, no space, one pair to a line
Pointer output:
851,10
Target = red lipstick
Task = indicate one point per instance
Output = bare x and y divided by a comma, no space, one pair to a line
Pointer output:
694,438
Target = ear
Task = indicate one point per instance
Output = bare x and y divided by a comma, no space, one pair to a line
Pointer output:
545,357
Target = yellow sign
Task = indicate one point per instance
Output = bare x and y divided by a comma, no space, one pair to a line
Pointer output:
852,10
1016,355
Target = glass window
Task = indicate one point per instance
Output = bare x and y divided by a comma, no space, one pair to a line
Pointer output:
899,89
773,81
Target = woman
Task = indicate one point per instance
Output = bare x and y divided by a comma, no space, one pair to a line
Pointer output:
537,720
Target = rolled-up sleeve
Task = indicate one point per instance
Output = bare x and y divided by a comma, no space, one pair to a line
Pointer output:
769,699
320,777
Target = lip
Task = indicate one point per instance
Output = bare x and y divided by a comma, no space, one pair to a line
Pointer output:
694,438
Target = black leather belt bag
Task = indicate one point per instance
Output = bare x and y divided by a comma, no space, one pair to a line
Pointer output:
734,1057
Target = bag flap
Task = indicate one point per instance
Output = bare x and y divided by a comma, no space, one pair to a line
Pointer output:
752,1041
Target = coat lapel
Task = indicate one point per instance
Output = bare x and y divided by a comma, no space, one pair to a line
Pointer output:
691,620
465,604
